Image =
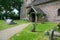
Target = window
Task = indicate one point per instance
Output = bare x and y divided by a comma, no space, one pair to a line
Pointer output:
58,12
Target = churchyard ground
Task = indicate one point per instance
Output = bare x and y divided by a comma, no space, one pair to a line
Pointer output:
3,25
26,33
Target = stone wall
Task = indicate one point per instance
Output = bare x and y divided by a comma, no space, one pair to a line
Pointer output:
51,9
24,10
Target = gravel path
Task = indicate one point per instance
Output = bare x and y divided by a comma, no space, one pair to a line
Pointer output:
7,33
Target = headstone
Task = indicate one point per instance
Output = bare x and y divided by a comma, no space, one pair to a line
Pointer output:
9,21
51,33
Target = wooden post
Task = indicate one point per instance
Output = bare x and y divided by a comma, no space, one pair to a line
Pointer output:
34,24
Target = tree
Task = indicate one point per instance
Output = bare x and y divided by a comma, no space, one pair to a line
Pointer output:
9,5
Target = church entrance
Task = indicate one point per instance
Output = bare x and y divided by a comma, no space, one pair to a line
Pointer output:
32,17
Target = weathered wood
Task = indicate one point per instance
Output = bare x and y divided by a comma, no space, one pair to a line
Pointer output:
33,29
51,33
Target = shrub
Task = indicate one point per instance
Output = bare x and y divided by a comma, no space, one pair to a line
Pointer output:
58,25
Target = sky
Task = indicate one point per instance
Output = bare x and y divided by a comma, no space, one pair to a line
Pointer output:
14,10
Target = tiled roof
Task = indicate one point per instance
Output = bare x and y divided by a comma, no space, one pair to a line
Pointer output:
36,2
38,10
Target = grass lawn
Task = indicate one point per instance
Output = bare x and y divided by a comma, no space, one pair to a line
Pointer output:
3,25
26,34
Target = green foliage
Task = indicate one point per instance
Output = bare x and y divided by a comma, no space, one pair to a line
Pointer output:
1,16
58,25
9,5
11,14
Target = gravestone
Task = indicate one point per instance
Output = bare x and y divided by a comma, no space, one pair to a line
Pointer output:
51,33
9,21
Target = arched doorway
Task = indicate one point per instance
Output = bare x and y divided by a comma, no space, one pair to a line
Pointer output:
32,17
41,16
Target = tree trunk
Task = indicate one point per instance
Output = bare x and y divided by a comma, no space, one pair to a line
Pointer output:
19,11
1,17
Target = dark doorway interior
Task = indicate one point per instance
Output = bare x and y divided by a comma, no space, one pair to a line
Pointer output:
33,17
58,12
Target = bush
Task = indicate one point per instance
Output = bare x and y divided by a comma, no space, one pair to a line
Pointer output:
58,25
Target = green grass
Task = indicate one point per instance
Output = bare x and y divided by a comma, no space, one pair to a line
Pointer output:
26,34
3,25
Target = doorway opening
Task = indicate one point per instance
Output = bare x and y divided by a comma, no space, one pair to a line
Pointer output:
58,12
